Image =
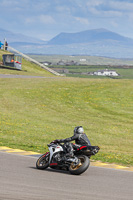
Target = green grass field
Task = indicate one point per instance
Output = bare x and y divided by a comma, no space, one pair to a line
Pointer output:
34,112
84,60
76,71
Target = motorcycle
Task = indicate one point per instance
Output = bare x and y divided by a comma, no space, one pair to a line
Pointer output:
76,166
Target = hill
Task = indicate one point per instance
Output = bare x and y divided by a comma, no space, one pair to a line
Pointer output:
18,38
89,36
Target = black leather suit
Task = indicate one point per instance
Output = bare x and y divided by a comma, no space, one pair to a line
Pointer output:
80,139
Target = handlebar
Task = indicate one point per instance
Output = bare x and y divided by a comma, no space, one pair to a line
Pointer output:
53,142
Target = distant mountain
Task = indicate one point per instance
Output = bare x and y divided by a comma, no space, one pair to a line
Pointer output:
17,37
88,36
96,42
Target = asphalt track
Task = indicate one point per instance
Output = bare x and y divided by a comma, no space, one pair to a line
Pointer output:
20,180
24,76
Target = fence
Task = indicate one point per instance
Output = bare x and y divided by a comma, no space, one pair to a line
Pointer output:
36,62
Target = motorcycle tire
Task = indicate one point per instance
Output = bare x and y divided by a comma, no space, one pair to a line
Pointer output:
43,161
81,167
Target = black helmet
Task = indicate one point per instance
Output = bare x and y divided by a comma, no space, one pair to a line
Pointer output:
78,130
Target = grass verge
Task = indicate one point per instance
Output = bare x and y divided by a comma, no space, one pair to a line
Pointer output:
34,112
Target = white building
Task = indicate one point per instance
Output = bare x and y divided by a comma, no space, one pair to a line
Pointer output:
106,72
82,59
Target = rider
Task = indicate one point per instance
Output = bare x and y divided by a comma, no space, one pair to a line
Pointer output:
80,139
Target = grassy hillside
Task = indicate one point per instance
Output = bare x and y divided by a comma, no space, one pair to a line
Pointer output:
125,72
89,64
28,68
84,60
34,112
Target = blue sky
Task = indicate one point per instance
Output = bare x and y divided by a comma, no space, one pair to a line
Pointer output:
44,19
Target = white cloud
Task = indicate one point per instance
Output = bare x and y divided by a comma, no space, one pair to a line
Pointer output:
111,4
130,15
102,7
8,3
30,20
93,11
46,19
93,3
118,5
82,20
62,9
114,23
105,13
112,13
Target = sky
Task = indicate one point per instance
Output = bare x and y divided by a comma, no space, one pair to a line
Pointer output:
44,19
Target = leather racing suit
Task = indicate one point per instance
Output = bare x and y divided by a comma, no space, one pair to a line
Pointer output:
80,139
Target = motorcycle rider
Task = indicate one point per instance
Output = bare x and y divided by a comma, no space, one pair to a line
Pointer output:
80,139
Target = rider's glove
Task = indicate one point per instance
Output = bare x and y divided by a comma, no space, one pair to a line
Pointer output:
56,141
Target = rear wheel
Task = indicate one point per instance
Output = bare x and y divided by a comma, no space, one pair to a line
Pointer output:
81,167
43,161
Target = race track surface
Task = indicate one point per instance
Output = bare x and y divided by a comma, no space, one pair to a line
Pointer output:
29,76
20,180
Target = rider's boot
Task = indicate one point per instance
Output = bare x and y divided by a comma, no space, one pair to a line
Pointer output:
69,157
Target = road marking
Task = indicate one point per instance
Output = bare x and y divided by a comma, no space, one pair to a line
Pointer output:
93,163
4,148
108,165
121,167
18,151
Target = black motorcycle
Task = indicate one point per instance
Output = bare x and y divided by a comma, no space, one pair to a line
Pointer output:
76,165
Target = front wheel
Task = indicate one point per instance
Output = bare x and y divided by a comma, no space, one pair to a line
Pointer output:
43,161
81,167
